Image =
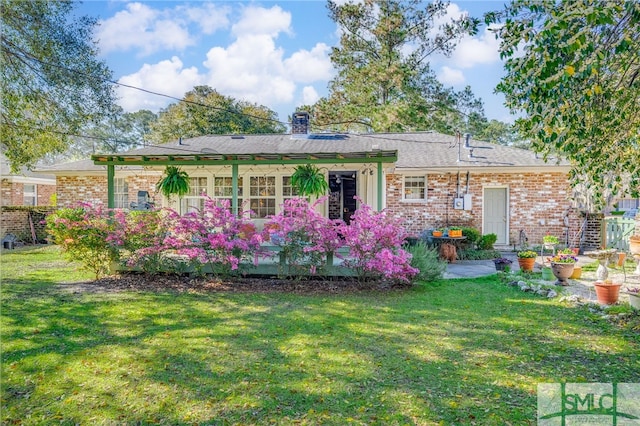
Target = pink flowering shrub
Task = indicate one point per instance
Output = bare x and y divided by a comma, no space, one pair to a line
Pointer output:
214,237
140,237
162,240
306,236
84,233
375,246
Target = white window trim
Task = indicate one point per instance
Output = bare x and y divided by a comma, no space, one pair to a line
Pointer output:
33,194
414,200
119,194
208,188
276,197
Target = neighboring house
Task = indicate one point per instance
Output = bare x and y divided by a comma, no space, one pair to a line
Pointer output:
25,188
427,178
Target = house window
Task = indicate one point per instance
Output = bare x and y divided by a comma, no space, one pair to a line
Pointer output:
415,188
262,196
120,193
194,200
223,189
30,196
288,190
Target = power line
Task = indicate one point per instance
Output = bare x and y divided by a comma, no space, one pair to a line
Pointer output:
83,74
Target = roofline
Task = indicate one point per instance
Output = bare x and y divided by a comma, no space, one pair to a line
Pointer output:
246,159
548,168
30,180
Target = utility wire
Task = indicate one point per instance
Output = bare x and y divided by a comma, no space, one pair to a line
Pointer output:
83,74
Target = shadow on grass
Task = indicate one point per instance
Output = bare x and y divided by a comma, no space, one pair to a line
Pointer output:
456,352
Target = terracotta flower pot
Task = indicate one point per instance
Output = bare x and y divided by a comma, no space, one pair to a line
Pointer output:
634,244
562,272
437,233
607,294
526,263
621,258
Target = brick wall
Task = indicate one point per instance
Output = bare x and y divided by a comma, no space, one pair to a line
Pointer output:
15,220
44,194
6,193
537,203
93,189
12,193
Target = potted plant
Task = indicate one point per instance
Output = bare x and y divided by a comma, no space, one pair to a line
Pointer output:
527,259
455,232
562,265
309,180
175,181
502,264
607,292
550,241
437,232
634,297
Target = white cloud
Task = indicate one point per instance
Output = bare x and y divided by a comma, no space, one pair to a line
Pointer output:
255,69
309,95
310,65
450,76
258,20
167,77
151,30
251,68
141,27
472,51
210,17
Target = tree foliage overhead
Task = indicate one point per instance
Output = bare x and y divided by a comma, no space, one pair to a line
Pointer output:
573,68
205,112
384,81
52,83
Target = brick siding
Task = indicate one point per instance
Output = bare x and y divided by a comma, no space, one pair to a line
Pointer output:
15,220
93,189
12,193
537,203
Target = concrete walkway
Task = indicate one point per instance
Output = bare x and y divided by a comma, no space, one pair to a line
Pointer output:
582,287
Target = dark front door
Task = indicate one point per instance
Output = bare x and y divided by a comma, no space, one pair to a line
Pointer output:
343,187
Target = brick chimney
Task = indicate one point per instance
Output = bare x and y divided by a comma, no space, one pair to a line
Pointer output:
300,124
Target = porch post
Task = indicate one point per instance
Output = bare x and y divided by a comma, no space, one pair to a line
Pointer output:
234,189
380,186
111,203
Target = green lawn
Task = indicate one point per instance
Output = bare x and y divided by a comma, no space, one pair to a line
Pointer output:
459,351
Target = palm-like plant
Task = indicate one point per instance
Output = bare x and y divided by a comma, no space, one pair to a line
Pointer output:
309,180
175,181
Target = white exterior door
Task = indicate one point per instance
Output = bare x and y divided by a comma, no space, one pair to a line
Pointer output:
495,217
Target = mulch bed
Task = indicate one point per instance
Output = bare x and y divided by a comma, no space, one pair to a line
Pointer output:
187,284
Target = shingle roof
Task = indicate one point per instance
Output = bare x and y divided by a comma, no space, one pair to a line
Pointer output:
415,150
5,171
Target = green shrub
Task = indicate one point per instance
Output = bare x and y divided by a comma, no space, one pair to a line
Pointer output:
487,241
83,233
426,260
472,234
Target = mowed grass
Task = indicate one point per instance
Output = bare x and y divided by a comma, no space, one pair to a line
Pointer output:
453,352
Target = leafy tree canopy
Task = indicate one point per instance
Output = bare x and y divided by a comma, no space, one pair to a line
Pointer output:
204,111
573,68
383,81
52,83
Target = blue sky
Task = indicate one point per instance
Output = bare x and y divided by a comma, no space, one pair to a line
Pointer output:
271,53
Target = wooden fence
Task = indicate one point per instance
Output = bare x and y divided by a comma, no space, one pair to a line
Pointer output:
617,232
